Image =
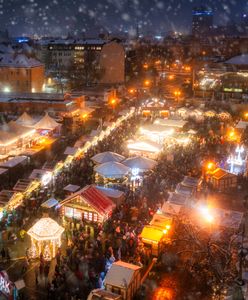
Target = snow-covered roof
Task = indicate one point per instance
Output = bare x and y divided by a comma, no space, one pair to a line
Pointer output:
13,162
18,61
72,41
25,119
46,123
238,60
121,274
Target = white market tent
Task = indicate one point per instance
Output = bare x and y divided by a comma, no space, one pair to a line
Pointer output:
46,123
108,156
144,146
112,169
140,162
25,119
170,122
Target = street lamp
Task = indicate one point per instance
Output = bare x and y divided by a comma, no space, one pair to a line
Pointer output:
177,94
147,82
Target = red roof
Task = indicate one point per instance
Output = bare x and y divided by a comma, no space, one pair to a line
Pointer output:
96,199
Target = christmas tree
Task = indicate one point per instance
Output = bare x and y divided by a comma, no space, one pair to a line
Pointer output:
47,253
33,251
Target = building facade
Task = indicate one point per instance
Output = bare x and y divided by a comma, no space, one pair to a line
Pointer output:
202,21
18,73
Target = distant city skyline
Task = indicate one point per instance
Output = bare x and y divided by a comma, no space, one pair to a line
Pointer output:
58,17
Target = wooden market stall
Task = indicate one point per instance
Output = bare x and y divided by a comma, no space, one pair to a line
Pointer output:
123,279
152,238
222,179
26,186
87,204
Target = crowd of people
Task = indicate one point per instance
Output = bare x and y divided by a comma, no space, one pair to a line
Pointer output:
91,248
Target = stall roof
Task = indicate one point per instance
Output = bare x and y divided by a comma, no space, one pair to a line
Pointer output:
71,188
47,123
183,189
94,198
37,174
170,122
22,185
152,233
171,208
5,197
71,150
161,221
241,125
50,203
144,146
176,198
121,274
25,119
191,181
13,162
3,171
112,193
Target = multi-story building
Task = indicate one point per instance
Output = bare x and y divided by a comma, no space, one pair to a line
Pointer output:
18,73
107,56
62,53
202,21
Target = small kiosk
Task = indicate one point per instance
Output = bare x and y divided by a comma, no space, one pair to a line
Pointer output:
45,237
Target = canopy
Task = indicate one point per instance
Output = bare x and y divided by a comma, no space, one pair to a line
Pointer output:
46,123
46,229
25,119
50,203
139,162
112,169
108,156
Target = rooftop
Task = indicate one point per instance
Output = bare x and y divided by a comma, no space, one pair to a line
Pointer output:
18,61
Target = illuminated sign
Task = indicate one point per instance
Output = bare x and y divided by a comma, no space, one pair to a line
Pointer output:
233,90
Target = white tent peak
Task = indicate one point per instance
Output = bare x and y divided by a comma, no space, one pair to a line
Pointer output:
25,119
47,122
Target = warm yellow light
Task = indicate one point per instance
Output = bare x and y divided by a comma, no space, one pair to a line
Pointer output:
231,134
131,91
164,231
147,82
210,165
113,101
168,227
246,115
206,214
145,66
171,77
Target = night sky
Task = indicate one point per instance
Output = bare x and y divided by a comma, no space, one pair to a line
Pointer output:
58,17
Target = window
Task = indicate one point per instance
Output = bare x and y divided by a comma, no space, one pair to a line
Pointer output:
90,216
95,218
